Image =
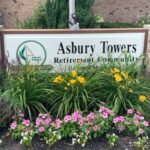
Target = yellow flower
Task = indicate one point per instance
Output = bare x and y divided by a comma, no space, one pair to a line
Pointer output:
58,80
125,75
73,73
115,70
72,81
130,91
81,79
142,98
117,77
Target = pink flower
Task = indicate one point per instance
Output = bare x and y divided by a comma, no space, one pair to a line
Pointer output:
102,108
87,130
26,122
52,124
95,128
41,129
104,115
47,121
136,123
58,122
90,121
145,123
21,115
115,120
130,111
140,131
91,115
38,121
80,123
120,128
137,116
13,125
43,116
76,116
67,118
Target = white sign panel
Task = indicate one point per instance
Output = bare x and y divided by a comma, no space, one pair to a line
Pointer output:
66,49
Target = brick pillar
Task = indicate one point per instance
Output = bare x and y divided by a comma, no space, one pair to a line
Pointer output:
148,51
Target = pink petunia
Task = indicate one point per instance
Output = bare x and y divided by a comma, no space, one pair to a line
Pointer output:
13,125
130,111
67,118
145,123
120,128
47,121
41,129
95,128
136,123
91,115
26,122
140,131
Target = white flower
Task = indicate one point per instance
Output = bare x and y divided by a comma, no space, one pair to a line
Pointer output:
1,142
21,141
78,140
59,137
25,138
83,144
73,141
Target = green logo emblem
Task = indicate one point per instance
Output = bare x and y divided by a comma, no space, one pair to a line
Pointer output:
31,52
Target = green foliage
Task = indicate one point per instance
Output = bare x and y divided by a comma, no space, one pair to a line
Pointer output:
36,21
54,14
85,15
122,85
73,91
25,89
112,139
117,25
144,20
141,143
6,112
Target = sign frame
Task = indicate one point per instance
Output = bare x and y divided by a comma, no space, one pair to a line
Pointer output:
66,31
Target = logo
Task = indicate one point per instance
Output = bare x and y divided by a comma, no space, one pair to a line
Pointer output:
31,52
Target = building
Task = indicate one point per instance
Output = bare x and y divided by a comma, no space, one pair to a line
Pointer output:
111,10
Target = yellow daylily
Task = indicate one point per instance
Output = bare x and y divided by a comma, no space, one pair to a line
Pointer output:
73,73
81,79
117,77
72,81
142,98
58,80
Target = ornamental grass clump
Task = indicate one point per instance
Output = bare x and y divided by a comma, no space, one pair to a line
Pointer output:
124,85
73,90
26,89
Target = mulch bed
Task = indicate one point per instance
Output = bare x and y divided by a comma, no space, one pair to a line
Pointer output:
124,143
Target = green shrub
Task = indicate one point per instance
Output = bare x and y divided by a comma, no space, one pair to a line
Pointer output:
25,89
124,86
55,14
73,90
143,20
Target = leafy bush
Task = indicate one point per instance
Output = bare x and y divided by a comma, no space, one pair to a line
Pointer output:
55,14
144,20
25,89
74,90
124,85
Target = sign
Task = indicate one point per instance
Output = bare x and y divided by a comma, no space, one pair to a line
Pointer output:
65,47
